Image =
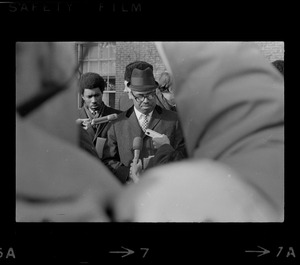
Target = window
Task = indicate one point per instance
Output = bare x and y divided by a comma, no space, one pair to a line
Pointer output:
100,58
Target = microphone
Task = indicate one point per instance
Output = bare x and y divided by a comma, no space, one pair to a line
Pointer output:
137,146
107,118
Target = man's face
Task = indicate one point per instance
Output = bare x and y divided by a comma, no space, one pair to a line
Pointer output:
144,102
92,98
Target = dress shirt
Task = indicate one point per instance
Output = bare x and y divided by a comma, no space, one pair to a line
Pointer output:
139,116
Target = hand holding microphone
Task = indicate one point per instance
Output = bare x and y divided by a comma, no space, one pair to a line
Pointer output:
136,165
86,123
89,122
136,168
104,119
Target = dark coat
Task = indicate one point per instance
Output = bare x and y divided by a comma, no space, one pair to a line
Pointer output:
118,152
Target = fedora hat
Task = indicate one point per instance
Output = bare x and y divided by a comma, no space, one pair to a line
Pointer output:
142,80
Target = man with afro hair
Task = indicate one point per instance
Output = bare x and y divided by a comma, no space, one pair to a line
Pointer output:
91,87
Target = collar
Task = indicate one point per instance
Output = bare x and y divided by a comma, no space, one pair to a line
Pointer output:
99,111
139,114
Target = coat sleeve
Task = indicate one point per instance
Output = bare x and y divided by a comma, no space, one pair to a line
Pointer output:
111,156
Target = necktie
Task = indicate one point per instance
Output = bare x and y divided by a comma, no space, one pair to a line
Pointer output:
145,122
95,114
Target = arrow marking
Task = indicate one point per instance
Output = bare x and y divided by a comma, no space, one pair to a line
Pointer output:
263,251
128,252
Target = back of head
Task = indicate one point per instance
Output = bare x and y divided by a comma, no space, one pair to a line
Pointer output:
141,65
90,81
46,87
165,81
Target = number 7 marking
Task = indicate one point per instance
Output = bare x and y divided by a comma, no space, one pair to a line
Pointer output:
146,251
279,251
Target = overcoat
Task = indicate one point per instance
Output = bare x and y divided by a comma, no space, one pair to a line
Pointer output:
118,151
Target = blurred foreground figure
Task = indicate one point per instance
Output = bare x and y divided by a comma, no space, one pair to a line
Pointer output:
230,102
55,179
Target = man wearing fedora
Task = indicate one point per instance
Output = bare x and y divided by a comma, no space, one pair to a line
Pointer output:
118,151
125,101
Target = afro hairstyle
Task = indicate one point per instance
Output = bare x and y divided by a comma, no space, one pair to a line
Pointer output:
90,81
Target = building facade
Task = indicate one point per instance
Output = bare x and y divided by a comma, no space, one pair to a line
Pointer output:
109,59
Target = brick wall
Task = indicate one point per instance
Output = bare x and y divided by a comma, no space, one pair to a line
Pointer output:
272,50
127,52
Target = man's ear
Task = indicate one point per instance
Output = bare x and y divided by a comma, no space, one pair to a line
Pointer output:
129,94
126,88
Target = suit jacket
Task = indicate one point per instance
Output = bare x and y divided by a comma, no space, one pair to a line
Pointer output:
102,127
118,152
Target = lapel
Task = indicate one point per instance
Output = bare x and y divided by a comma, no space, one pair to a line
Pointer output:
101,126
155,118
133,122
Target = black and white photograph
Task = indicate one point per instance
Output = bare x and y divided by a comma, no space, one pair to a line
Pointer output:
150,132
146,132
